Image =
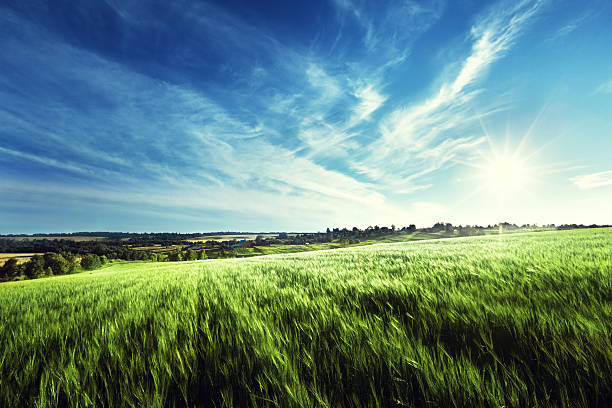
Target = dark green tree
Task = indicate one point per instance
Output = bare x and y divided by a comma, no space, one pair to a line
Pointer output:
57,264
90,262
190,255
175,256
10,269
35,267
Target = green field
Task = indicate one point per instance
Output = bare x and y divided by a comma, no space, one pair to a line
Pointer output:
415,236
523,320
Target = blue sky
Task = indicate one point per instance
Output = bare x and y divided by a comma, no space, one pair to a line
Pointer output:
268,116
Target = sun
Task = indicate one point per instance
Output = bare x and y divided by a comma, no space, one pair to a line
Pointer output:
504,174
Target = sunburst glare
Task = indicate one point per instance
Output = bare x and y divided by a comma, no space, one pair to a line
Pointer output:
504,175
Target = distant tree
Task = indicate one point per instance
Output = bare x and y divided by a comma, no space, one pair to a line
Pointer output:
175,256
56,263
103,259
438,226
190,255
72,260
90,262
35,267
202,254
411,228
448,228
10,269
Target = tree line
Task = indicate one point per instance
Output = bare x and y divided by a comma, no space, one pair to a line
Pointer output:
63,263
39,266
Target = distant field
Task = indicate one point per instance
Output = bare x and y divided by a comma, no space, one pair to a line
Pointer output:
75,238
158,248
21,257
521,320
237,237
405,237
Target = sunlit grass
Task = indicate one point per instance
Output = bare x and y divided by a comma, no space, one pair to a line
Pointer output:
519,320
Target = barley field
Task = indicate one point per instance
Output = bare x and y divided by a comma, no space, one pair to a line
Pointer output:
523,320
21,257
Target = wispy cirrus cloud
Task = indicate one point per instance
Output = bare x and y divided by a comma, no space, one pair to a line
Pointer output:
594,180
604,88
427,132
391,30
48,162
326,112
369,101
492,38
203,141
572,25
174,136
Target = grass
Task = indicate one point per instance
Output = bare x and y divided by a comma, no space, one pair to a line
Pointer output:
518,321
391,238
276,249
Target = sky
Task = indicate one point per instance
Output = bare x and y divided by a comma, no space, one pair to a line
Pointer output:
187,116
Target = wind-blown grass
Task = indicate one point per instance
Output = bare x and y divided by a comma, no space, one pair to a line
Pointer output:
522,320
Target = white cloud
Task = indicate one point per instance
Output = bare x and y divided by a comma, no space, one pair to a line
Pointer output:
448,149
492,37
307,154
324,139
47,161
390,30
605,88
416,131
572,25
369,101
589,181
328,87
210,156
66,165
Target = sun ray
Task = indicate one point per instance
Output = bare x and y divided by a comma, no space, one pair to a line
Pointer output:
527,134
